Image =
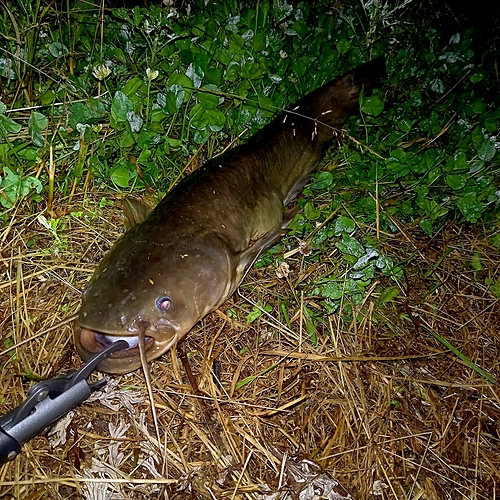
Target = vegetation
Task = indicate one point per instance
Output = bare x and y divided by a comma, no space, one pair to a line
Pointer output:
131,100
122,99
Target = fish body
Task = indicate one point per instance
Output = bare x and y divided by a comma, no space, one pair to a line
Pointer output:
192,251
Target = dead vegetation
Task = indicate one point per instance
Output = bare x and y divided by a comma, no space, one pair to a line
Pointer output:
379,404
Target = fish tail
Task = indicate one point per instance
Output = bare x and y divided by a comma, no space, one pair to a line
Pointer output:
333,103
369,74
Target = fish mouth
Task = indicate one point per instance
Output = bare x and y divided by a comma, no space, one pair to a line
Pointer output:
93,341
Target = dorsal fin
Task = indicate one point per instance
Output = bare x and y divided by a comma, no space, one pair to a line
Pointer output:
134,212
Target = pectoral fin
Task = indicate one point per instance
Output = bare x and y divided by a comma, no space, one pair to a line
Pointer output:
247,257
288,215
134,212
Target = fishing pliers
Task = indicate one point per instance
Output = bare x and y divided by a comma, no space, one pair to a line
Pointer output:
47,402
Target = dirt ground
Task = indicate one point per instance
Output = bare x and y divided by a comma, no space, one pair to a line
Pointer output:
383,406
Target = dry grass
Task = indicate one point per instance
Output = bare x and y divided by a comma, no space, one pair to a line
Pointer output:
379,404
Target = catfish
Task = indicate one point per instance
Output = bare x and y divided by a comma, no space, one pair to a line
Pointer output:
188,255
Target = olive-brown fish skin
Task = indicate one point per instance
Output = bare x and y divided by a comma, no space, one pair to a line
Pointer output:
191,253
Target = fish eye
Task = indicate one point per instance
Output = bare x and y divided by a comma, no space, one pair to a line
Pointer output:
163,303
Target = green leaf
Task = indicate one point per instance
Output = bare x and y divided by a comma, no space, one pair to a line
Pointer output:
127,139
426,226
223,56
476,167
195,74
256,312
433,157
180,79
215,119
198,118
477,135
251,378
135,121
405,124
121,176
460,162
477,77
491,125
214,75
388,295
120,106
16,187
344,225
470,207
456,181
132,86
253,315
201,136
495,289
479,107
311,212
476,261
207,100
259,42
48,97
89,112
495,240
433,174
373,106
251,70
486,151
9,126
329,289
299,67
267,106
321,181
351,246
233,72
399,155
57,49
311,330
343,46
174,98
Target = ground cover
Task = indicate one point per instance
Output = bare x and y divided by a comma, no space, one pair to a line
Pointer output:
366,341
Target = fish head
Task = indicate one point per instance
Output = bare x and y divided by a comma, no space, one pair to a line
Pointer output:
146,287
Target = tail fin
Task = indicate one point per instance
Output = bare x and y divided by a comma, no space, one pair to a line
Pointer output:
333,103
368,74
